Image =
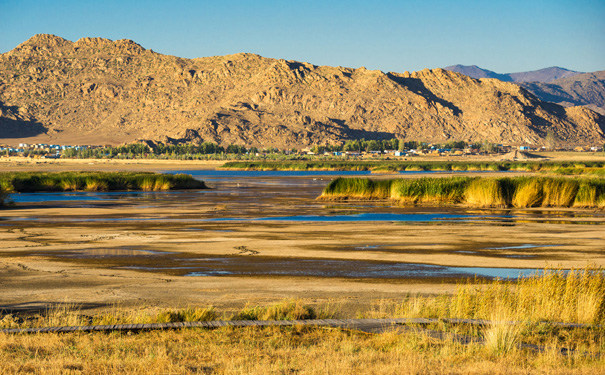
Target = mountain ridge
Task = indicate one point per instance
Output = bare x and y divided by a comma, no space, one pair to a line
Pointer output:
100,91
545,75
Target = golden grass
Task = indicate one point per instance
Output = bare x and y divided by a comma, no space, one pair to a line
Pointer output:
93,184
528,194
576,296
559,192
485,193
502,335
520,192
272,350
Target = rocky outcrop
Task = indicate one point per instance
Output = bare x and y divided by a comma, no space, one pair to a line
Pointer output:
101,91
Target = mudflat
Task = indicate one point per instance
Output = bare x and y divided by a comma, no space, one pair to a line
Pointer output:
263,239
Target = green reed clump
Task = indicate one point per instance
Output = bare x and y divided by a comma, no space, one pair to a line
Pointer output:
559,192
528,193
358,188
95,181
426,190
520,192
485,192
410,165
3,196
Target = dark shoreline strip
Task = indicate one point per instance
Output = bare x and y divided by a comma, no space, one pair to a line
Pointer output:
335,323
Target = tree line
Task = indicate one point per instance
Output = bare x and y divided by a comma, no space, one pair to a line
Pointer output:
207,150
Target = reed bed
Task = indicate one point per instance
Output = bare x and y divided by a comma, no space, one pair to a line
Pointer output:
95,181
391,166
519,192
3,195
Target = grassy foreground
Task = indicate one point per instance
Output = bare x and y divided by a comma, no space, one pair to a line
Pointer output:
553,296
521,192
94,181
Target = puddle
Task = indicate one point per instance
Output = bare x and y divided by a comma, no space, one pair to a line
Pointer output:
106,253
367,247
356,217
520,247
346,269
186,264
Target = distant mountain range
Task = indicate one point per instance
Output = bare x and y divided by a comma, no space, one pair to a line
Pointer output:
557,85
545,75
98,91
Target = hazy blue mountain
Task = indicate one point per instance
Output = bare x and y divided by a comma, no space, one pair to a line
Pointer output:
545,75
476,72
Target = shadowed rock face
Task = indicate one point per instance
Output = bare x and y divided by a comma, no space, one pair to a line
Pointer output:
102,91
586,89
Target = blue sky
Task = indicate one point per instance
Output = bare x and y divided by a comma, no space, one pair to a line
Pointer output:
504,36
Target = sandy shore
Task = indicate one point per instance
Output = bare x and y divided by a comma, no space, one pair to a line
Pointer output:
38,268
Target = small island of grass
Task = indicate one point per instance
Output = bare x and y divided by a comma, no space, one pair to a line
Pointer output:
21,182
519,192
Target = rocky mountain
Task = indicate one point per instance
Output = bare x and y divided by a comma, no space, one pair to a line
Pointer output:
98,91
476,72
583,89
543,75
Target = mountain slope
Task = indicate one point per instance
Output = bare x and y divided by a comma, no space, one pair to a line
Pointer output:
543,75
474,71
584,89
100,91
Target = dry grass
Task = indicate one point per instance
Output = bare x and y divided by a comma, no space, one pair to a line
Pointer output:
577,296
271,351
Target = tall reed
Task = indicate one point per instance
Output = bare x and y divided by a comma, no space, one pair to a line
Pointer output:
3,195
528,193
574,296
95,181
486,192
521,192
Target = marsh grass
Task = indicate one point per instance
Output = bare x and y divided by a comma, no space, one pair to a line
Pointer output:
500,192
485,192
292,309
528,193
95,181
501,335
3,196
559,192
382,166
272,350
553,295
429,190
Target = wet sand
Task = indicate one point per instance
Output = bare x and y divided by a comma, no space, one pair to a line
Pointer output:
84,252
39,262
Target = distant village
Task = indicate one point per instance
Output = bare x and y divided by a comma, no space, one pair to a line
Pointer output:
50,151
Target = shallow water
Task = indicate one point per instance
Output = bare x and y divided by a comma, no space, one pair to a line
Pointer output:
193,265
276,198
